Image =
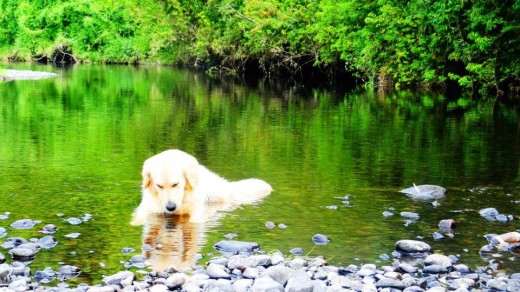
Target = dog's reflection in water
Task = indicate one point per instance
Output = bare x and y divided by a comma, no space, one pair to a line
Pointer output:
173,241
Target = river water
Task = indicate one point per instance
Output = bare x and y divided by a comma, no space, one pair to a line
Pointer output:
75,144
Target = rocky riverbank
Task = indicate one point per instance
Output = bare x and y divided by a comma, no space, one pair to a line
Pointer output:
414,268
9,74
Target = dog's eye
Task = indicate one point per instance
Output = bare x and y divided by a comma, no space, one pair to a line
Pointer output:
159,186
175,185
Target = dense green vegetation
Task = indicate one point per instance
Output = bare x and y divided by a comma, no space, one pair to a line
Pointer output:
471,43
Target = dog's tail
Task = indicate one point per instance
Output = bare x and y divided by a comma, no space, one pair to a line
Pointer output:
250,190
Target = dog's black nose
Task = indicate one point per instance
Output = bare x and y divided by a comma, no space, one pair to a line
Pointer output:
171,207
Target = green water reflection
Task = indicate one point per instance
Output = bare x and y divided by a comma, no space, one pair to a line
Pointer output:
75,145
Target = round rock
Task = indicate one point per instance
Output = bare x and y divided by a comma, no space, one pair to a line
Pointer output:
47,242
425,192
412,247
231,247
123,278
320,239
23,224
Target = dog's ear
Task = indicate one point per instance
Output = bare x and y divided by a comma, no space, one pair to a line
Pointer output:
147,177
192,177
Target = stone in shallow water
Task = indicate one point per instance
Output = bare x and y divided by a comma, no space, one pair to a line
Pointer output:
123,278
320,239
270,225
23,224
23,254
127,250
49,229
387,214
68,271
437,263
13,242
489,213
425,192
412,247
410,215
138,261
231,247
74,221
47,242
44,276
297,251
73,235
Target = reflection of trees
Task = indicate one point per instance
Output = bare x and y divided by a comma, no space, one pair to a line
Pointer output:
85,135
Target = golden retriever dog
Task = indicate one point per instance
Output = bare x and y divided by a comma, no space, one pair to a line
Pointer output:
180,199
175,183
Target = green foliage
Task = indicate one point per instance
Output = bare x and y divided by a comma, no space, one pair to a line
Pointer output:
414,43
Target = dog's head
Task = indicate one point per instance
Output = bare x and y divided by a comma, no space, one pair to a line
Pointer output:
170,176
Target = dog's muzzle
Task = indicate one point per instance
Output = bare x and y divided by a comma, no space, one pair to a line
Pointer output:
170,207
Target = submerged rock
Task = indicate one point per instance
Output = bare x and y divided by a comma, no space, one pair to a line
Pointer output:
23,224
45,276
437,263
410,215
425,192
49,229
47,242
320,239
74,221
413,247
492,214
68,271
297,251
231,247
123,278
446,224
138,261
23,253
13,242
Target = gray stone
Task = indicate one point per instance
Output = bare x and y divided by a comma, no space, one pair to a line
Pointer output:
219,285
230,247
497,284
251,273
407,268
425,192
386,282
175,281
242,262
437,263
216,271
19,284
264,284
367,270
22,253
296,263
123,278
299,281
412,246
243,284
278,273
